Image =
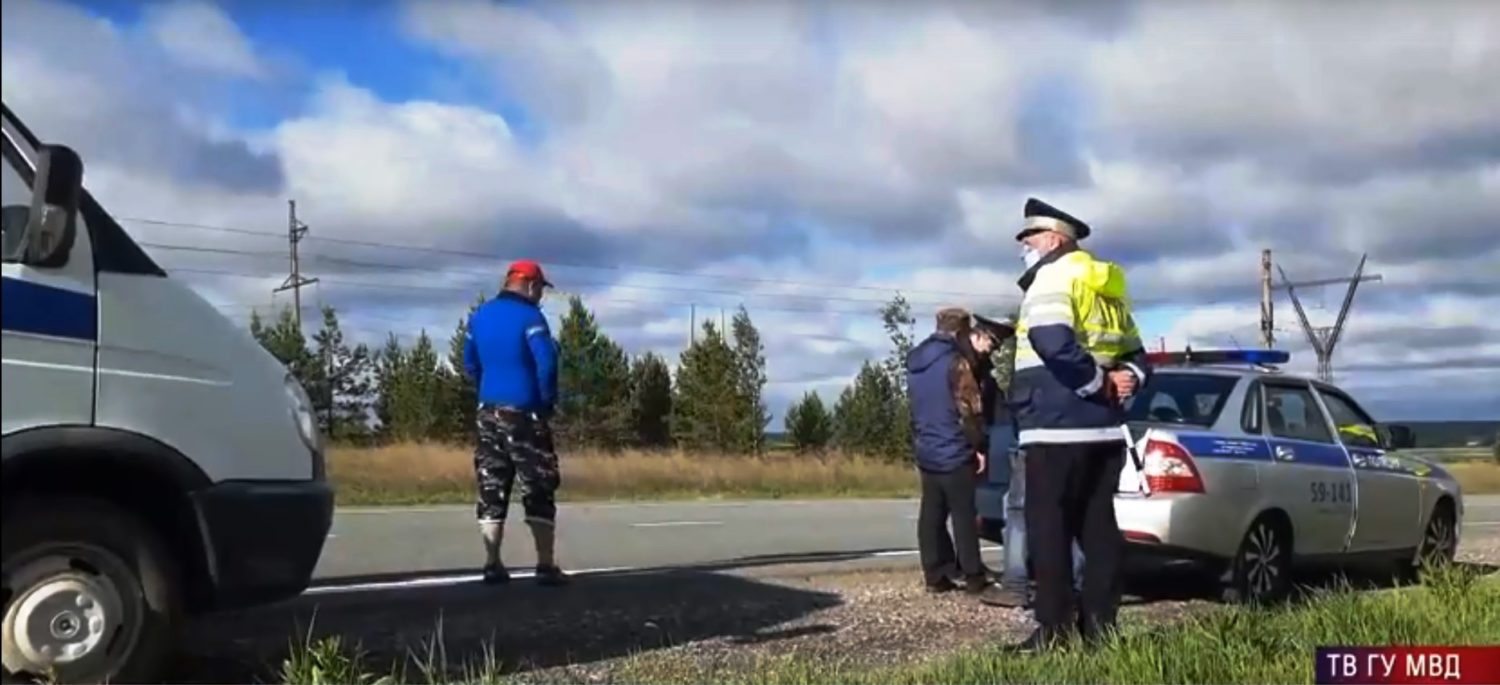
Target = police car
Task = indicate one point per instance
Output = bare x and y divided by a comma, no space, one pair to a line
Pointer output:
1257,471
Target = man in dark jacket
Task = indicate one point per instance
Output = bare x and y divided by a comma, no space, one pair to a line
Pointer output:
948,432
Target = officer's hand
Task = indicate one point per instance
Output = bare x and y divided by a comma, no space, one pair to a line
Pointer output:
980,457
1124,383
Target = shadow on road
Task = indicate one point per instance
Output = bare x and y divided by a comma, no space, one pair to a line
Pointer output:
598,617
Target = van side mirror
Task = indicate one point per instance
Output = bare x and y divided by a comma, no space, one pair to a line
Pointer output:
1399,437
43,236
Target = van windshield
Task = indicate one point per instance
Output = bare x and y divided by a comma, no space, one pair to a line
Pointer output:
1181,398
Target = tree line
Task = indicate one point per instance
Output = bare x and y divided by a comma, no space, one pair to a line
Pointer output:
608,399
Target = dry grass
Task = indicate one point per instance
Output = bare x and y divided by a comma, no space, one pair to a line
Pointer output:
434,473
1476,478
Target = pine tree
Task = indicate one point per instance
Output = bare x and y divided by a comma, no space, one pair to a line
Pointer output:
460,392
750,371
343,385
390,363
809,424
705,411
593,383
650,401
870,417
410,406
284,341
899,324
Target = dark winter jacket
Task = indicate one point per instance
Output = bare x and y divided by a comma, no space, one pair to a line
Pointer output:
946,407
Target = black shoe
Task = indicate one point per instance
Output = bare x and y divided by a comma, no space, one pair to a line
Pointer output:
976,584
495,574
1002,596
1043,639
940,586
1095,632
551,576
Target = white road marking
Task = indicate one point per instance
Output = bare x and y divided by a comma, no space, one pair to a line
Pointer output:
672,524
441,508
444,580
1482,523
440,581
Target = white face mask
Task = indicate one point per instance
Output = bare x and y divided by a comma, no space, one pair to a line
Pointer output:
1030,256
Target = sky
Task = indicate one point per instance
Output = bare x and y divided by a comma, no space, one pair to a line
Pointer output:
670,161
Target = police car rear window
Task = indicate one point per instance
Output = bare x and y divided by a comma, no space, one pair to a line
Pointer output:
1181,398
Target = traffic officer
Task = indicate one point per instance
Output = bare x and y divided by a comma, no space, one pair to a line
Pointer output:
1079,357
510,354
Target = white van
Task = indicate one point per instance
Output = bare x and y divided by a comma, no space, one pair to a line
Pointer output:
158,463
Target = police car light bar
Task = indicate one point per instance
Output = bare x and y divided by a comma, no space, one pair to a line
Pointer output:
1191,356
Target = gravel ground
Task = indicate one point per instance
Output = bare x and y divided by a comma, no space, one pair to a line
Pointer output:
885,620
673,626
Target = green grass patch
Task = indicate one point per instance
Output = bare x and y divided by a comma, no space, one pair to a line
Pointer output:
1452,606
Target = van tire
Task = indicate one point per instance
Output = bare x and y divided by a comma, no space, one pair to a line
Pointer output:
86,575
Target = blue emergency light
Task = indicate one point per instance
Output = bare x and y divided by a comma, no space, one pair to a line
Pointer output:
1192,356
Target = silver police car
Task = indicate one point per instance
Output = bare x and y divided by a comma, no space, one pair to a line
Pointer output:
1256,471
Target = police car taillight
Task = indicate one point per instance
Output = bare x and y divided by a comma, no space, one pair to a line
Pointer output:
1168,467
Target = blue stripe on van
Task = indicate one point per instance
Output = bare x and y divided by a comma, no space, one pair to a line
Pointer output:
30,307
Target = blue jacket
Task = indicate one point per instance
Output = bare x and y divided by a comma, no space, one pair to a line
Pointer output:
941,437
511,356
1075,326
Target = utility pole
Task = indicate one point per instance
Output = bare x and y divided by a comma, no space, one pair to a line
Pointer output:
295,280
693,325
1267,306
1324,339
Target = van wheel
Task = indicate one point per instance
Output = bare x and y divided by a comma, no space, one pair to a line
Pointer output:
1261,570
90,594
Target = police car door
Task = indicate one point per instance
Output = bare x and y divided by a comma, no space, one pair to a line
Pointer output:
1309,474
49,320
1388,514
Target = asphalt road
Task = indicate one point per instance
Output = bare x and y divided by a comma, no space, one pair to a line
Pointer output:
381,545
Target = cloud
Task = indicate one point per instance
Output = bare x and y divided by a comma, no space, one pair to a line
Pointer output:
199,35
809,160
110,93
1314,89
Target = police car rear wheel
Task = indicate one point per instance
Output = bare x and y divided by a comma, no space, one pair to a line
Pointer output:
1261,572
88,594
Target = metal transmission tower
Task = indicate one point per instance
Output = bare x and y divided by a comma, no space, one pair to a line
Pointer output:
295,280
1325,338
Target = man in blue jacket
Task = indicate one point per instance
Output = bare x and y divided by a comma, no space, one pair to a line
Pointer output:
512,358
950,443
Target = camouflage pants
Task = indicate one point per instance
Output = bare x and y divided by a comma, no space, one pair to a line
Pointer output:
515,444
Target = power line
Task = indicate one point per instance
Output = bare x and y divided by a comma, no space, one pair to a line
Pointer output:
635,287
455,289
478,255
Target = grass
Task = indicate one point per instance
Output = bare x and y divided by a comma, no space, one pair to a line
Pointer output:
435,473
432,473
1452,606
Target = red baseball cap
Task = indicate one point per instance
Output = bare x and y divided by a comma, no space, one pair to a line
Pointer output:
529,269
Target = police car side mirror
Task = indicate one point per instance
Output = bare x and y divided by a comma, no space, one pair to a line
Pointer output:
1399,437
43,236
